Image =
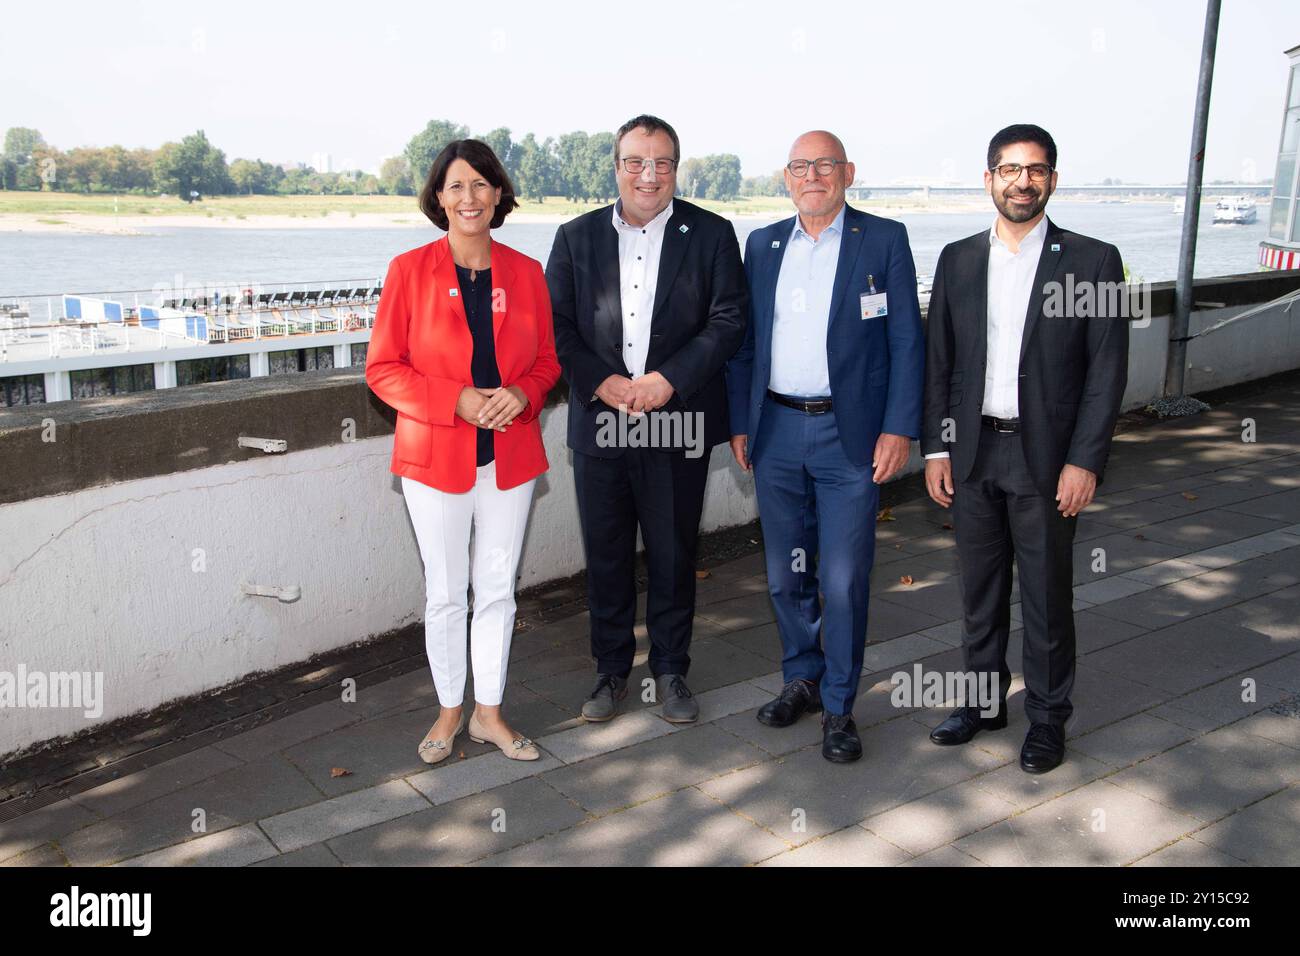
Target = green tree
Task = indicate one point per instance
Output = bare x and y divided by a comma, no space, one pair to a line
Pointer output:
395,177
571,165
425,146
723,176
192,165
598,178
24,150
506,149
536,169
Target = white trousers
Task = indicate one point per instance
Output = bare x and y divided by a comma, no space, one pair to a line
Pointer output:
442,527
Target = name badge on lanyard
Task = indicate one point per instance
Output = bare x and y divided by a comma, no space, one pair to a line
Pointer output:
874,305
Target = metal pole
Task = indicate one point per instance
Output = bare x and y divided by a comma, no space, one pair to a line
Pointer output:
1176,362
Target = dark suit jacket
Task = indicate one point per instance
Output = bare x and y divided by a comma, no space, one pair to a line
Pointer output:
875,364
700,310
1073,366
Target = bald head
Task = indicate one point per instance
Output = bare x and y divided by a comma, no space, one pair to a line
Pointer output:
818,194
817,143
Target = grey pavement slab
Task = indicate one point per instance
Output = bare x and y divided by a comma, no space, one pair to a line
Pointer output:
244,794
237,846
684,828
462,831
650,769
939,818
287,731
313,856
591,740
318,822
944,856
455,778
1222,702
53,822
852,846
1187,852
1257,834
1214,774
1134,738
144,785
1099,824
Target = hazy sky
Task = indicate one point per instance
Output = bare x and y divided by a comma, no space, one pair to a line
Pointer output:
914,89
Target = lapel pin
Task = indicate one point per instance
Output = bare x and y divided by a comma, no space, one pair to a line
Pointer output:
1056,247
684,229
776,243
453,292
853,229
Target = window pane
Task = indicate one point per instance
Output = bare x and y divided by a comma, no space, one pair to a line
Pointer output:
1291,131
1277,219
1295,87
359,353
1285,174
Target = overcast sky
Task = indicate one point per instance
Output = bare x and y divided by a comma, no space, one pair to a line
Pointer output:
915,89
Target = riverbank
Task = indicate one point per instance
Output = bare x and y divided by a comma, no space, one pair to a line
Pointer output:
136,215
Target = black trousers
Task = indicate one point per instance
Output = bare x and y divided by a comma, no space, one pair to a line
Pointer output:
998,516
662,492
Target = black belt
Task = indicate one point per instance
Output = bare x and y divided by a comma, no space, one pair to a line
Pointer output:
810,406
1006,426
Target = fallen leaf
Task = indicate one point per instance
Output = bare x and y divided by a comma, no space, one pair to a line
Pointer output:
1189,496
886,514
947,526
906,579
339,772
701,575
1139,537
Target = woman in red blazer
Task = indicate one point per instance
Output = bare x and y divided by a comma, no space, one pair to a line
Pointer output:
463,349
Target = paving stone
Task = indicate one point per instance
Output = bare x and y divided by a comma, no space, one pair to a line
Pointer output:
1257,833
463,830
652,768
1135,738
591,740
950,633
1103,697
887,620
763,640
1109,589
237,846
287,731
1220,703
318,855
1165,572
454,778
243,794
1206,530
685,828
343,814
1188,852
1279,728
736,614
144,785
852,846
1099,824
1095,631
900,650
774,740
898,764
47,854
1025,790
944,856
942,817
1215,774
51,822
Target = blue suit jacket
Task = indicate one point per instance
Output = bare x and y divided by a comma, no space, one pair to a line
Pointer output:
877,365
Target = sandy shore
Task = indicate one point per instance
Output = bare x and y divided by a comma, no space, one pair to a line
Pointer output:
82,223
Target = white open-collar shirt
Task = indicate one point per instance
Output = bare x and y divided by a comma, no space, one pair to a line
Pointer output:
639,248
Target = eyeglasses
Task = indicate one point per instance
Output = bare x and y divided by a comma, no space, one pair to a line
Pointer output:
1010,172
636,165
825,166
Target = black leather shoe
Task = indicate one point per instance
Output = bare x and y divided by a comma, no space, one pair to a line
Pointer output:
964,723
840,742
1044,748
796,698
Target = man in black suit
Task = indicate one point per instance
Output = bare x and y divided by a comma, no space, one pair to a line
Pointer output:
649,299
1027,360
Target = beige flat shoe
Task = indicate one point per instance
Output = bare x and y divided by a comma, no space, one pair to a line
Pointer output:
435,750
520,748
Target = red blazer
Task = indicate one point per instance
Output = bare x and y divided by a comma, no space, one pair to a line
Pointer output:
419,360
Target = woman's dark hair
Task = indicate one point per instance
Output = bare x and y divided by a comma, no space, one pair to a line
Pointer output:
480,156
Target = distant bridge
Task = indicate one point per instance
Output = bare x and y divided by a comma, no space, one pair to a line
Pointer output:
1172,190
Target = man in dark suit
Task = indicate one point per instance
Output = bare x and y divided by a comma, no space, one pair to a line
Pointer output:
649,302
1027,360
825,400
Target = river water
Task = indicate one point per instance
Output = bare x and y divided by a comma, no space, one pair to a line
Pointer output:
31,264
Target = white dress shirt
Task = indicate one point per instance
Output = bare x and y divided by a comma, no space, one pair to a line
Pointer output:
638,272
1010,284
802,312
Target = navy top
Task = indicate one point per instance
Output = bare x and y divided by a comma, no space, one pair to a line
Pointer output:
476,293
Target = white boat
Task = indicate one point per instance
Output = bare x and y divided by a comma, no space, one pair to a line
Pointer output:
1180,205
1234,211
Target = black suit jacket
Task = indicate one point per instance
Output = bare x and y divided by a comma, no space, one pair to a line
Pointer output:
1073,355
701,307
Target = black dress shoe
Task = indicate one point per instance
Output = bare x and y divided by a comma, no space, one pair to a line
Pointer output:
964,723
1044,748
796,698
840,743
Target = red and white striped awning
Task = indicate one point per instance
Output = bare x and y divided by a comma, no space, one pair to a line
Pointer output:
1273,257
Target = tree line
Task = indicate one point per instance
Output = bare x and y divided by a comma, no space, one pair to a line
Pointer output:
576,166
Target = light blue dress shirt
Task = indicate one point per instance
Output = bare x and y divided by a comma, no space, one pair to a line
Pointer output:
803,311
